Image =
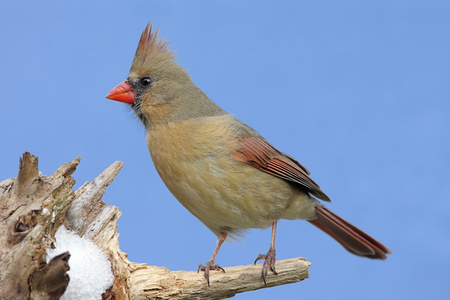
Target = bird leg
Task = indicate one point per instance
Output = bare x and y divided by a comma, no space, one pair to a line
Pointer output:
270,257
210,264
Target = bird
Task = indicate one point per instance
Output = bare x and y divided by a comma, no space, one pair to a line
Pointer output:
219,168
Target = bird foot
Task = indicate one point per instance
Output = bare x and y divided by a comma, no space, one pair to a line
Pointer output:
209,266
269,261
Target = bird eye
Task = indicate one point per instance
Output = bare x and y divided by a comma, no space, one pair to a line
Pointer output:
145,81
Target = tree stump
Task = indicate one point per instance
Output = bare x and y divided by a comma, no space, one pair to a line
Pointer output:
33,207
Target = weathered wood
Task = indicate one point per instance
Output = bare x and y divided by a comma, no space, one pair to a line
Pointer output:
153,282
50,281
33,207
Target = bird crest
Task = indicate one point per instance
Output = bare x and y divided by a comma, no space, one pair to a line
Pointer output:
151,48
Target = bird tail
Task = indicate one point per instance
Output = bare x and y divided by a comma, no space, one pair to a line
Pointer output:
353,239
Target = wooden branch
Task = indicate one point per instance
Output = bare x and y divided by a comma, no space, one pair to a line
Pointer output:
154,282
33,207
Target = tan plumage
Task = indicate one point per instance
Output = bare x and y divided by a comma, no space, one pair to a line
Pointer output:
219,168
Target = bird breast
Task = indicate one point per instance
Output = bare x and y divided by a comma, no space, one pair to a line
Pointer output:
193,159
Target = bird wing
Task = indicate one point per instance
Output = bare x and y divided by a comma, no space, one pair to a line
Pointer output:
258,153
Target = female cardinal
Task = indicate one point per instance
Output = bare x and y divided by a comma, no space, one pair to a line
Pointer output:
219,168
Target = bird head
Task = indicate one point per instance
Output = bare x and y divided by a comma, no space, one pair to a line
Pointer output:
157,89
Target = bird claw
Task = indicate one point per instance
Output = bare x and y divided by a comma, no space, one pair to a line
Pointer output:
207,267
269,261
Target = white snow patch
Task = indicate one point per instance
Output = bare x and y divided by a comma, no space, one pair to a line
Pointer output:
90,270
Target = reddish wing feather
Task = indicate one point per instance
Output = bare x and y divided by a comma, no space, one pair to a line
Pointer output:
263,156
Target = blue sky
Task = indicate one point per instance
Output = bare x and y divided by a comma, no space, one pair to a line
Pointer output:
357,91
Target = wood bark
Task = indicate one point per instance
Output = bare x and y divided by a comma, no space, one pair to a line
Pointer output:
33,207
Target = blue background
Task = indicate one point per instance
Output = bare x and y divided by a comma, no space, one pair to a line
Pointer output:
357,91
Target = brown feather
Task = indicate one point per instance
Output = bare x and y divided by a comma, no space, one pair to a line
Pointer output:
349,236
260,154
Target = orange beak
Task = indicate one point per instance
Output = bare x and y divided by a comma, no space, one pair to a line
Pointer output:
123,92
